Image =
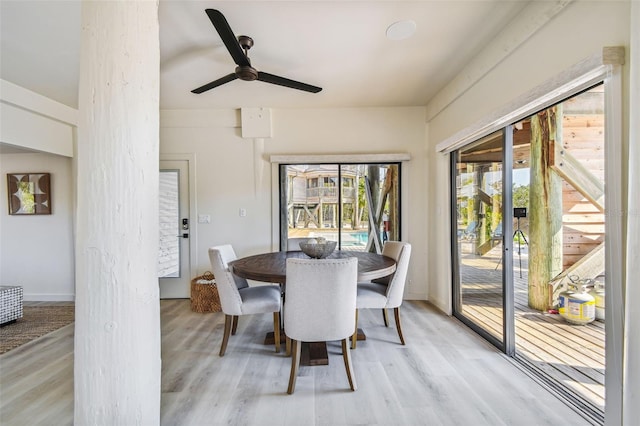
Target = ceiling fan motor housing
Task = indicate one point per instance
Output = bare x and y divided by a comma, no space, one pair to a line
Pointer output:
246,73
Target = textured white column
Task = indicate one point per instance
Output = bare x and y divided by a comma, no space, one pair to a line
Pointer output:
117,327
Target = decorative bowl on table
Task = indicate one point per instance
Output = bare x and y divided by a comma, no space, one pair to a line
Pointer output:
318,249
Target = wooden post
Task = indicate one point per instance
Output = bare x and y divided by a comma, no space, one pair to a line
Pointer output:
356,201
545,209
472,214
393,203
334,215
117,328
496,200
373,173
482,208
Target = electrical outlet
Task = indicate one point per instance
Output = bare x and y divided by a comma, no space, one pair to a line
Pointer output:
243,212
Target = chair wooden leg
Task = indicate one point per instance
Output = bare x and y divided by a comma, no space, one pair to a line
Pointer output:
235,325
295,363
228,319
354,338
396,312
287,346
276,330
346,355
282,296
385,317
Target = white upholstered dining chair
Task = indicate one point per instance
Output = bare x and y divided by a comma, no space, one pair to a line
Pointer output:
320,307
388,292
238,298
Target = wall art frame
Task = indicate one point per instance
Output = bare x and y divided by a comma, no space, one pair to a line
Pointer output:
29,193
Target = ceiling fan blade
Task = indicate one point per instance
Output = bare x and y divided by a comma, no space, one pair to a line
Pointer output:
228,38
281,81
215,83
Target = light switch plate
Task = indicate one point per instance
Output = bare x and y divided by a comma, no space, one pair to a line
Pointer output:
204,218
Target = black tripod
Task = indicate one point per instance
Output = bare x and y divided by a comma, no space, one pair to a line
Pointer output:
518,232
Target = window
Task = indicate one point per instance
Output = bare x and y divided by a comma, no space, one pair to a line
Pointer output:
357,205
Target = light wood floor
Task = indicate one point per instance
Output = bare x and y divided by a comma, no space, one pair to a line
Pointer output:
446,375
571,356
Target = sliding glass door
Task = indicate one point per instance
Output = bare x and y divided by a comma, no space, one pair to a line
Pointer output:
483,290
529,245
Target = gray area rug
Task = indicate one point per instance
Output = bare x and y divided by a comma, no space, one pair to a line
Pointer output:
36,322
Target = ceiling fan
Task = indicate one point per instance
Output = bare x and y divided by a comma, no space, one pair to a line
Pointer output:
238,48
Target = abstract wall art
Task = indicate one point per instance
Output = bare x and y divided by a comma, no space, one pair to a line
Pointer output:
29,193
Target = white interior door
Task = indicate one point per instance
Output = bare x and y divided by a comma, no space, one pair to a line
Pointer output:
174,256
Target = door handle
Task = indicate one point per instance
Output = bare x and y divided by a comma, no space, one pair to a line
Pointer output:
185,235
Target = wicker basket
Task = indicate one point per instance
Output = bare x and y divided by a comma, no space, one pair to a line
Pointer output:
204,294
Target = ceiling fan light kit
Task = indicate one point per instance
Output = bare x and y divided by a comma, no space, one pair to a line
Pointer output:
239,50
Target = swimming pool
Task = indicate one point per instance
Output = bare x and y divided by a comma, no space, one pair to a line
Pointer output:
358,238
351,239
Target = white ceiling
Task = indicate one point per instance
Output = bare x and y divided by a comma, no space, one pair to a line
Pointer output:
337,45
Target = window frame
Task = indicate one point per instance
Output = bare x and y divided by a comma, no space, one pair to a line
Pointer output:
402,159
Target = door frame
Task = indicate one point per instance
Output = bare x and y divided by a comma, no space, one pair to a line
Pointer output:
190,158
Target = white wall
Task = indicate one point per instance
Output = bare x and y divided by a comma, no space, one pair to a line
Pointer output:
234,173
577,32
36,252
226,181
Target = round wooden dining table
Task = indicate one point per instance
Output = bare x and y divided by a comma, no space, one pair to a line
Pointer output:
272,268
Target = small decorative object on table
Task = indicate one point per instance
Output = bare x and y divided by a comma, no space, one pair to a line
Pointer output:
204,294
318,248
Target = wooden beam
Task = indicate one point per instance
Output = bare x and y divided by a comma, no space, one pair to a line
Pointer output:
374,234
590,266
578,176
312,216
484,197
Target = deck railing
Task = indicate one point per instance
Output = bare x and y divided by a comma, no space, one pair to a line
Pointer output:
329,194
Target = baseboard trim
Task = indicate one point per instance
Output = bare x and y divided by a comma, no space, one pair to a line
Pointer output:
47,297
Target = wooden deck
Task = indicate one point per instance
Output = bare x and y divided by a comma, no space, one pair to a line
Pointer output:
572,357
